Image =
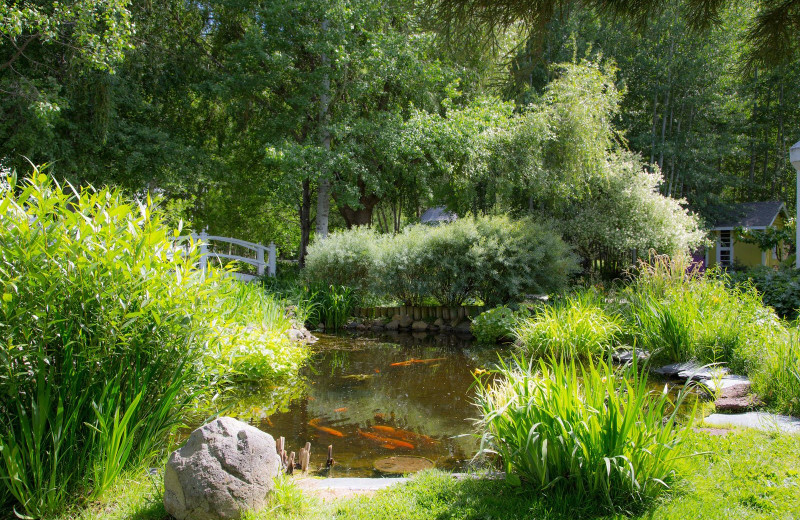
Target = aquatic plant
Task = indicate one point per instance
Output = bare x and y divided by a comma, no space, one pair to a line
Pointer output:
330,305
583,432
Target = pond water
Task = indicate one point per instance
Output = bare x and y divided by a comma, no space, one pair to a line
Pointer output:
379,396
376,396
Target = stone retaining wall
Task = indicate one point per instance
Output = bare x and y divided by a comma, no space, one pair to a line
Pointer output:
416,319
421,312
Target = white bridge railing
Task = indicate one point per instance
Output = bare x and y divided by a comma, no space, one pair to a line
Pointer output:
260,251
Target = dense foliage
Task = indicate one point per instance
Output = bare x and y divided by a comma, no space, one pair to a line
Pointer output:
108,332
589,433
780,289
497,324
496,259
241,114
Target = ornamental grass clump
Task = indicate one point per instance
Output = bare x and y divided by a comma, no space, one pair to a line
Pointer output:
578,326
680,313
584,433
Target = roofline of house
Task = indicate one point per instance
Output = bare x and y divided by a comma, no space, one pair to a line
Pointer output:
782,209
729,228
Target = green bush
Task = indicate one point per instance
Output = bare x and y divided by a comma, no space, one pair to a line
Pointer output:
779,288
497,324
107,335
344,258
449,264
590,434
519,258
495,259
577,326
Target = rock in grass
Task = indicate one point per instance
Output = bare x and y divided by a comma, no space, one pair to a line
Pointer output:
226,467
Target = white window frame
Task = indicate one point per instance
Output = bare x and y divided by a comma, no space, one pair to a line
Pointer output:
729,248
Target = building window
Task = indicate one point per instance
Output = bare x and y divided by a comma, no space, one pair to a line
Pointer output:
725,248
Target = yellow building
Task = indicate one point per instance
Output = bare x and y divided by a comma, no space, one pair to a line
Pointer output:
757,216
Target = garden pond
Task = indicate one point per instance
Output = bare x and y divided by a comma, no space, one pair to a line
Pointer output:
376,396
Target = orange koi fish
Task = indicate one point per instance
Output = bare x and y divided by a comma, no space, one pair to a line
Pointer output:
387,446
413,361
314,423
404,434
385,440
342,409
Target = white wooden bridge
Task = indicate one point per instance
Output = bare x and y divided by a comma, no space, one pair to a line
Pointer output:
262,257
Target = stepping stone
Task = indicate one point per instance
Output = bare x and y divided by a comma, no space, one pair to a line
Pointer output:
729,386
758,420
676,368
624,356
690,370
737,404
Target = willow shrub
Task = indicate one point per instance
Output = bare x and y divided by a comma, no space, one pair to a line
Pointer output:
587,433
494,259
576,326
344,258
107,334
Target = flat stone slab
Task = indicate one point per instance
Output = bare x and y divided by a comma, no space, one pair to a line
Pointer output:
737,404
728,386
626,356
691,370
758,420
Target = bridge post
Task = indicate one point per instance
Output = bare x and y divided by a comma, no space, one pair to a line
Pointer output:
203,238
272,259
260,259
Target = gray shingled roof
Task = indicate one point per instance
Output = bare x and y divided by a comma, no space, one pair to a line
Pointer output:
748,214
437,215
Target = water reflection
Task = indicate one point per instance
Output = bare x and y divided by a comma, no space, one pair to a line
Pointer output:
377,396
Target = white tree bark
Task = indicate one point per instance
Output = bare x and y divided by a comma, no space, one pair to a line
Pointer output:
324,185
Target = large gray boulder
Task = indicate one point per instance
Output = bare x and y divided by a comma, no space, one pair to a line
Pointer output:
225,468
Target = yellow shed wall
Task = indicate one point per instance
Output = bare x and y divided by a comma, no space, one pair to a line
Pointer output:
746,254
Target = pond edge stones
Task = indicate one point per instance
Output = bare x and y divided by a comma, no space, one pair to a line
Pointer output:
225,468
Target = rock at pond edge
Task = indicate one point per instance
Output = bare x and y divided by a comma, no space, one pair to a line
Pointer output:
225,468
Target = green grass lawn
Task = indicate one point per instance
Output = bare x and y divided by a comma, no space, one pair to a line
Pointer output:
745,474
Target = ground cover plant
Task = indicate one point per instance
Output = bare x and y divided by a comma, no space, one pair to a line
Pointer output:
588,433
779,288
107,334
497,324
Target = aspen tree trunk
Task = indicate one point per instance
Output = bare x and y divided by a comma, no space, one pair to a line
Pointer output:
324,185
305,222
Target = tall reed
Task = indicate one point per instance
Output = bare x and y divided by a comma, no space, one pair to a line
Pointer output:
587,432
